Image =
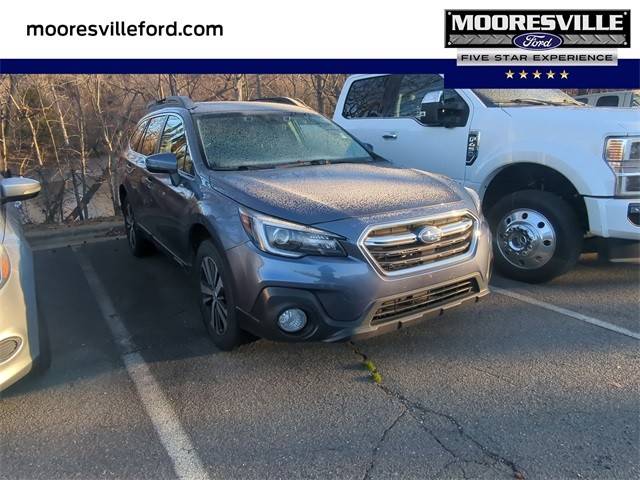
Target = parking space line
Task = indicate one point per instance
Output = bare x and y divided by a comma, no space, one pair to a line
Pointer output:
173,437
567,312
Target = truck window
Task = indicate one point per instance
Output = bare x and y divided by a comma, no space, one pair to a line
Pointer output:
408,100
607,101
366,98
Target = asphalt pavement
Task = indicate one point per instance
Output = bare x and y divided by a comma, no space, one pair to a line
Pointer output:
510,387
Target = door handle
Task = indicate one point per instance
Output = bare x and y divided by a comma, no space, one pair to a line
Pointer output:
390,136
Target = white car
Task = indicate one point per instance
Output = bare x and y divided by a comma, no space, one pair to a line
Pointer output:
23,339
623,98
550,171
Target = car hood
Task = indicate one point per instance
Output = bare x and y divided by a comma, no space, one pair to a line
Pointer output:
324,193
608,120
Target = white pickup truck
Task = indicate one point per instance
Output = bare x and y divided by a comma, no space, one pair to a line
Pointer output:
555,176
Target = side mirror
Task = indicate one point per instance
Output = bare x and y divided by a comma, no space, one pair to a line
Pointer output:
162,163
368,147
15,189
442,109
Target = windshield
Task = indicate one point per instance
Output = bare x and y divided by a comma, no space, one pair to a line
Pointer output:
524,97
263,140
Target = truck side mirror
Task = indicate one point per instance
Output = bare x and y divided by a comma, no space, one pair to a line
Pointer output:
442,108
432,104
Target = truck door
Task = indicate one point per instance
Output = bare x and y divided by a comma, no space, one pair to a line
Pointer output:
388,113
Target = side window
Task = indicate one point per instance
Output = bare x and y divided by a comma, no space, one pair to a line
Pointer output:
174,140
582,99
407,102
607,101
134,142
152,135
366,98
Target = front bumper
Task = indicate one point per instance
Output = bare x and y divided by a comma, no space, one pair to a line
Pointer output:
612,217
342,295
18,315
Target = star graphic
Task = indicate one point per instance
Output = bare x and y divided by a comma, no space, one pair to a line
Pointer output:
551,74
509,74
537,74
523,74
564,74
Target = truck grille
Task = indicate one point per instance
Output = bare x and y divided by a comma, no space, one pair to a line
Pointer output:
423,300
400,247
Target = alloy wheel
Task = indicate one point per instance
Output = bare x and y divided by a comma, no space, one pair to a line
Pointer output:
130,225
526,238
213,295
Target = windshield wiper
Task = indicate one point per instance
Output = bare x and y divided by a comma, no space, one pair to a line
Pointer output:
537,101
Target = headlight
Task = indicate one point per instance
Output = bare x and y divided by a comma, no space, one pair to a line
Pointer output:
5,266
289,239
476,198
623,156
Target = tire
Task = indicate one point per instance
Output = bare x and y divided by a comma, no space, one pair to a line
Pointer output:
139,245
536,236
216,298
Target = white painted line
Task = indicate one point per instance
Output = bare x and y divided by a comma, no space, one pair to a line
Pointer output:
567,312
174,439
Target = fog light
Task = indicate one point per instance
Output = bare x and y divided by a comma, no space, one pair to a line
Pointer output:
292,320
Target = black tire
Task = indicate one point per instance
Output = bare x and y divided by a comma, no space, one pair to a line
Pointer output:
223,331
139,244
567,238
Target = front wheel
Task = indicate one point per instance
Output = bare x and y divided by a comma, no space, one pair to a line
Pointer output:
217,298
536,236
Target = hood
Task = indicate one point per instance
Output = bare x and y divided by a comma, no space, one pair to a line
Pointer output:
607,120
324,193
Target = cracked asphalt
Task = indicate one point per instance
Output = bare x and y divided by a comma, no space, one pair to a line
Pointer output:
501,389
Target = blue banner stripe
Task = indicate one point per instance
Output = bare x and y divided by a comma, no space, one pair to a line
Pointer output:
626,75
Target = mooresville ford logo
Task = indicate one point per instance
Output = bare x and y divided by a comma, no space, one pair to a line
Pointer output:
500,28
537,37
537,41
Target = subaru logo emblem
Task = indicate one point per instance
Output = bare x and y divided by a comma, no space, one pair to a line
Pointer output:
538,41
430,234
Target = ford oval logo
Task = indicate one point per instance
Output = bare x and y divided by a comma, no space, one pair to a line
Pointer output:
430,234
538,41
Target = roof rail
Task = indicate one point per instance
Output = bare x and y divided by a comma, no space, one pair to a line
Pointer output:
284,100
179,101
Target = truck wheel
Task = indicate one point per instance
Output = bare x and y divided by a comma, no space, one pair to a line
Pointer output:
139,245
217,298
536,236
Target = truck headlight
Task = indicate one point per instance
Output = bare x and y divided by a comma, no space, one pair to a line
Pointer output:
289,239
623,156
5,266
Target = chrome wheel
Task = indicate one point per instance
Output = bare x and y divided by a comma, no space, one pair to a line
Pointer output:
213,297
130,225
526,238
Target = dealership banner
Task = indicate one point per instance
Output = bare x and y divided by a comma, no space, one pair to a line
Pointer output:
557,44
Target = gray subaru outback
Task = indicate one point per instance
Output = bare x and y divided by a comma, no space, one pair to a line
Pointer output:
294,230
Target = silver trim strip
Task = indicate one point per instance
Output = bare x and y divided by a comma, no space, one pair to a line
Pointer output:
420,268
